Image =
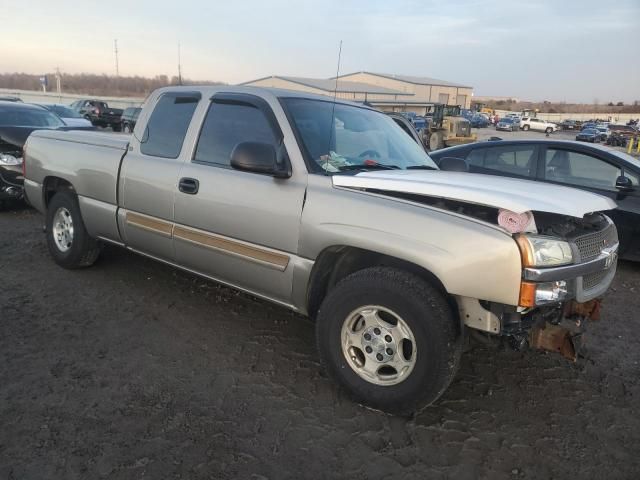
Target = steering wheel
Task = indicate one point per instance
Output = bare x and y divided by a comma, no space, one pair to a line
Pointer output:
370,153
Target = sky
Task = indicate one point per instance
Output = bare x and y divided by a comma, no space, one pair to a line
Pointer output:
556,50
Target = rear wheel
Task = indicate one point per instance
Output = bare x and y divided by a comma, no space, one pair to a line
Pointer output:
389,338
126,128
69,243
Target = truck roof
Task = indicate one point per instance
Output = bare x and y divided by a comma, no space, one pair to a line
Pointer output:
210,90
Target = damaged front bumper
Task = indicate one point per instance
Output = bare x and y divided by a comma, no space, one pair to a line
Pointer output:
565,334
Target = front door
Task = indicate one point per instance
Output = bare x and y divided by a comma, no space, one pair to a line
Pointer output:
239,227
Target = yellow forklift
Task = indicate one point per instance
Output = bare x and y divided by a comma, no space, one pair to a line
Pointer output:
446,127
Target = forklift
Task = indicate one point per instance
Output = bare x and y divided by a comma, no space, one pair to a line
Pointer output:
446,127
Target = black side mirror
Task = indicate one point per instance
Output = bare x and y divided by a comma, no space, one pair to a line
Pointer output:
624,183
258,157
453,164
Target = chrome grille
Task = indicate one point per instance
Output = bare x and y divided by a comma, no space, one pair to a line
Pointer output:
592,244
593,279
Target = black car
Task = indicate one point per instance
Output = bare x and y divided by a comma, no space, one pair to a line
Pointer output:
595,168
570,125
588,135
129,119
17,121
99,113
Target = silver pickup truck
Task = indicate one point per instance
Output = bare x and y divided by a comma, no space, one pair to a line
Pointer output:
328,208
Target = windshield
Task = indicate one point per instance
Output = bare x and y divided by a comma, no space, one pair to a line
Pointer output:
506,120
29,117
63,112
358,138
589,131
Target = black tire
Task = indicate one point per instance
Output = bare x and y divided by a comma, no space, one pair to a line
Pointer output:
548,130
526,127
126,128
83,250
116,128
422,307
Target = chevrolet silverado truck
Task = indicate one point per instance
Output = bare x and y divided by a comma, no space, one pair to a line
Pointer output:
329,209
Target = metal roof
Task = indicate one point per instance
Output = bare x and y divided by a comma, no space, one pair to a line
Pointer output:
329,84
412,79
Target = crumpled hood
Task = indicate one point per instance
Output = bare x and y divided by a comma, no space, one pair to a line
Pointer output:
500,192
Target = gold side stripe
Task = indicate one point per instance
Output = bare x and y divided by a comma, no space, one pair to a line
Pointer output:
149,223
225,245
267,258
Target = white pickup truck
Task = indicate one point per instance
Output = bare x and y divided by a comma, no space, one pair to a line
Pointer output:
330,209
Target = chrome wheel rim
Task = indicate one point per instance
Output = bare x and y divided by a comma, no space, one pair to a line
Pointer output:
62,229
378,345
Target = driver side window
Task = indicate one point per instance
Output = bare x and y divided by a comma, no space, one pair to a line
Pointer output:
573,168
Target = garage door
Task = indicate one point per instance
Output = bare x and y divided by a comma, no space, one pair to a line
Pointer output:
443,98
462,101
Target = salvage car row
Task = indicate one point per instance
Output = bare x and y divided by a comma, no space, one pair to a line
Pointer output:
345,218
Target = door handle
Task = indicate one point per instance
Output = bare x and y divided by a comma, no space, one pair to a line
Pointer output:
188,185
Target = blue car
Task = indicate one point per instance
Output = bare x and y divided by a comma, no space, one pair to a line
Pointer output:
588,135
479,121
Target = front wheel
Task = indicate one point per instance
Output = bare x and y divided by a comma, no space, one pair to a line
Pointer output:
548,130
389,338
126,128
67,239
526,127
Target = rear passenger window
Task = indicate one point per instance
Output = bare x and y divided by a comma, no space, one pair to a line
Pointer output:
227,125
514,160
167,127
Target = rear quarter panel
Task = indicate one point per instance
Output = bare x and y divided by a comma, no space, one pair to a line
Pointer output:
89,161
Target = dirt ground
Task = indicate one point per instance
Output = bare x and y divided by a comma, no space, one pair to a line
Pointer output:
131,370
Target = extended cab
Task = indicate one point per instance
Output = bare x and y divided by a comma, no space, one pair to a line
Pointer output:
330,209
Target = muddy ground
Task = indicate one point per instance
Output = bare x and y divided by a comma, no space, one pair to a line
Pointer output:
131,369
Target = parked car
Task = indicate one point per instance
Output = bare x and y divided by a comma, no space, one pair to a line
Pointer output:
569,125
330,209
129,119
17,121
99,113
604,132
598,169
479,121
68,116
623,130
588,135
529,123
509,124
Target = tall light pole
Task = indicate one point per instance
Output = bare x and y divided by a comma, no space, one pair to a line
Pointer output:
115,48
179,67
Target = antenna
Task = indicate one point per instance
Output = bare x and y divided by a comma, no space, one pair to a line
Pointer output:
179,67
333,108
115,49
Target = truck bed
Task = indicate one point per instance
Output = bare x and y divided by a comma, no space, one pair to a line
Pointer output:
89,161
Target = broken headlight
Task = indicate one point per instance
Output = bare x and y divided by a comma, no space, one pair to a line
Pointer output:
540,251
6,159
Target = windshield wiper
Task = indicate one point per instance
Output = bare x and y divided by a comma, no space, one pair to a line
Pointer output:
421,167
375,166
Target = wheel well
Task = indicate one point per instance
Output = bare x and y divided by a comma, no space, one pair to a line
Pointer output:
52,185
336,263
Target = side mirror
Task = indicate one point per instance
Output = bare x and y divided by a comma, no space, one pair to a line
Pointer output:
453,164
258,157
624,183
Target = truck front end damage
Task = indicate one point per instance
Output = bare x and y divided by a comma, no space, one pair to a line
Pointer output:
567,266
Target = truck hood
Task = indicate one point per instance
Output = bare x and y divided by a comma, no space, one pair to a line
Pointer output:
499,192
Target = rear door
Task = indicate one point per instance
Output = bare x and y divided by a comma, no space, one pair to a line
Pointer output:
589,171
517,160
149,175
239,227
